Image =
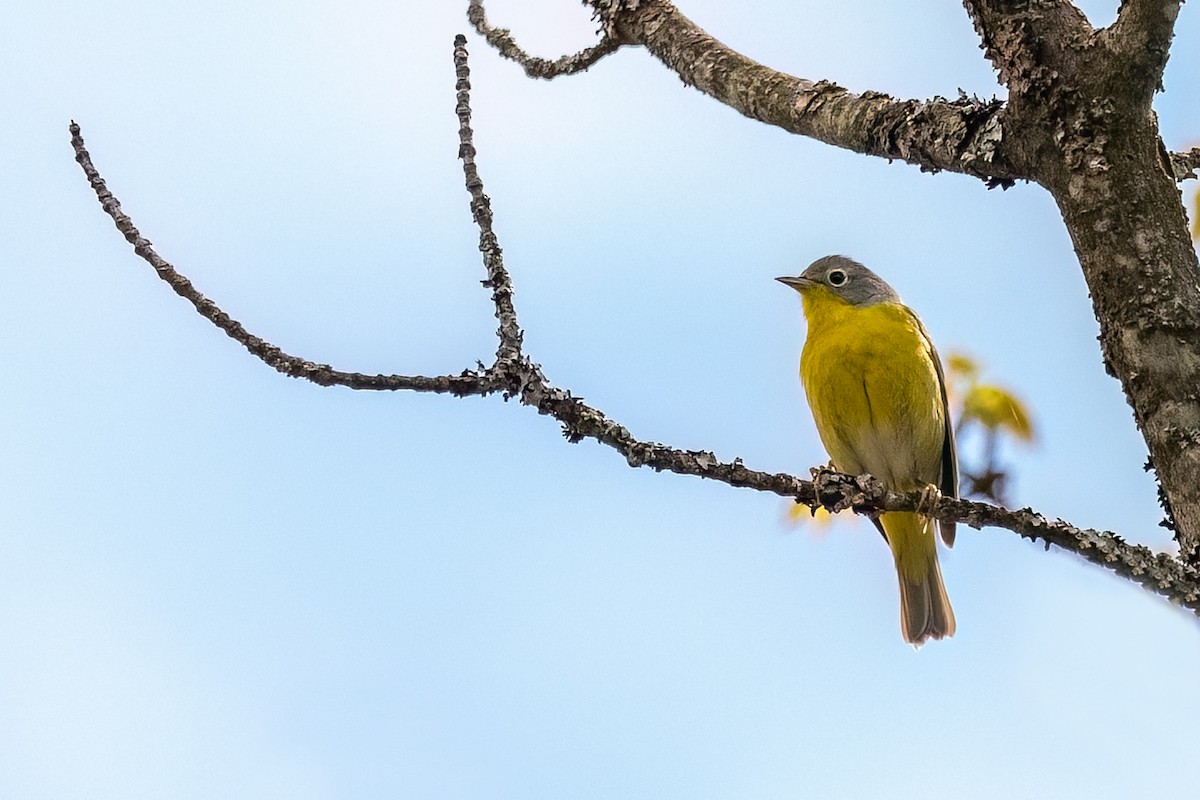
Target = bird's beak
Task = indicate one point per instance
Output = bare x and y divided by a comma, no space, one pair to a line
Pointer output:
797,283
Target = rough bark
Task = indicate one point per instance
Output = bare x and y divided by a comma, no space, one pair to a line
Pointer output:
962,135
1080,108
1078,121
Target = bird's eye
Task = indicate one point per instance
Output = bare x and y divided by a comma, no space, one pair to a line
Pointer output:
836,277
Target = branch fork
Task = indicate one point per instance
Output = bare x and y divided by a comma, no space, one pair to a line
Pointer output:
515,375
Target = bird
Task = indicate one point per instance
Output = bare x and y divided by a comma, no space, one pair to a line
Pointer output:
877,393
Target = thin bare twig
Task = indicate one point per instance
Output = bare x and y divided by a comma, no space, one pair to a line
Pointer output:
506,45
514,374
481,210
466,383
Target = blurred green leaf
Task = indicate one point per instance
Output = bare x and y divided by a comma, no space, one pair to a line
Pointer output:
960,365
994,407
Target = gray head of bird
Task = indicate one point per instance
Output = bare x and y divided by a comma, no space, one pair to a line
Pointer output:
847,279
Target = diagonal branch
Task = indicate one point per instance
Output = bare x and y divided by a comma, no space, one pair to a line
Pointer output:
515,375
964,135
466,383
506,45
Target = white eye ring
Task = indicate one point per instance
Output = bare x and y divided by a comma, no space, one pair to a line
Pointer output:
836,277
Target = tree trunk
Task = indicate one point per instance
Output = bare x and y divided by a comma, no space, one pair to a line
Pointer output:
1079,114
1129,229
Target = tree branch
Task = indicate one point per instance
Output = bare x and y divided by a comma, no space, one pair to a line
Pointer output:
469,382
1015,35
502,40
1142,37
498,280
466,383
515,375
1186,163
963,135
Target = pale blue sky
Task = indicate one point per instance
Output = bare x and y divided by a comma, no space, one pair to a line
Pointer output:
219,582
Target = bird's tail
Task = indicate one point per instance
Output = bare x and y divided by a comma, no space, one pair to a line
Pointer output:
925,611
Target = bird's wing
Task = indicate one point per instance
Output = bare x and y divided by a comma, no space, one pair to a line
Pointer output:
948,479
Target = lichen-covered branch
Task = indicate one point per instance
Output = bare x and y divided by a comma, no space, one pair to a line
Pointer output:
1157,572
515,375
1012,33
963,135
481,211
466,383
1185,164
506,45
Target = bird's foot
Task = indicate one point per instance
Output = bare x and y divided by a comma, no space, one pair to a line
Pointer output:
928,500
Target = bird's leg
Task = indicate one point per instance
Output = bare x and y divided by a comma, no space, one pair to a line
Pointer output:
928,499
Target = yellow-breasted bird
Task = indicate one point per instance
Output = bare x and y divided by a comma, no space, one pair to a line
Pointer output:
875,386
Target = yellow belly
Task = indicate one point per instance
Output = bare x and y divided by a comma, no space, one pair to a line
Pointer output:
874,392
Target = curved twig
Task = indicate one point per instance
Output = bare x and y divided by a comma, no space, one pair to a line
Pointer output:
466,383
516,375
506,45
